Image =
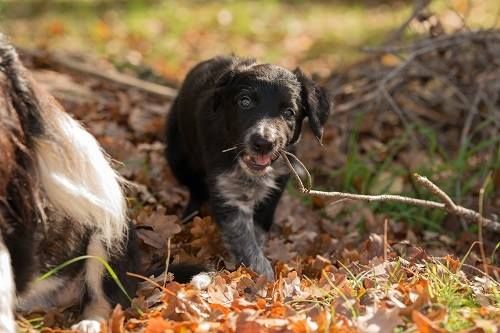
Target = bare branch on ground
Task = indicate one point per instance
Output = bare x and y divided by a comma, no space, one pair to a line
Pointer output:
108,75
446,203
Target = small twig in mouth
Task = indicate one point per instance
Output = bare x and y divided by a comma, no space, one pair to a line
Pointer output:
229,149
304,189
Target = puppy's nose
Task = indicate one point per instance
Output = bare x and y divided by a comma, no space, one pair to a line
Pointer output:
260,144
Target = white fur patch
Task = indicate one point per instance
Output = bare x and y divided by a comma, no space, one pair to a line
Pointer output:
260,128
78,179
244,191
201,281
87,326
266,128
232,191
7,292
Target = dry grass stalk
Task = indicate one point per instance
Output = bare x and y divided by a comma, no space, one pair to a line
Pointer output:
480,229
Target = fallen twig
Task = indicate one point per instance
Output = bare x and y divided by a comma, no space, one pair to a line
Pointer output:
108,75
190,217
418,7
385,239
443,41
167,263
416,63
447,203
473,110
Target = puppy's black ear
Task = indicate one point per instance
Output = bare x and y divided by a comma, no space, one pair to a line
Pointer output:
315,106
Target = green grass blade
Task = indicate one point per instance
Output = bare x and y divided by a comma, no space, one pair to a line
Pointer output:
494,251
110,270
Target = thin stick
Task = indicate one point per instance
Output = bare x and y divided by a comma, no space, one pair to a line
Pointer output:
157,285
167,263
385,240
473,110
480,229
431,187
418,7
379,198
294,173
190,217
304,189
112,76
428,45
448,205
394,106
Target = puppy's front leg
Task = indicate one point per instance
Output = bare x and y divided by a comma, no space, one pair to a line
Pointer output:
237,228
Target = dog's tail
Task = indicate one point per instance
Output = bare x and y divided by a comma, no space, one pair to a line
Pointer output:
73,171
19,89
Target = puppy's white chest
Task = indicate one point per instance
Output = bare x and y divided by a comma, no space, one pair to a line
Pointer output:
239,190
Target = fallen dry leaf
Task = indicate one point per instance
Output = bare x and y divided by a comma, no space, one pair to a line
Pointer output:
424,324
156,325
116,320
378,320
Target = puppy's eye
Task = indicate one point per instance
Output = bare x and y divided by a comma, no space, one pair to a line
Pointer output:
245,102
288,113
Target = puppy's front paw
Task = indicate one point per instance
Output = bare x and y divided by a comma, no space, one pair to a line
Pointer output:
87,326
201,281
263,266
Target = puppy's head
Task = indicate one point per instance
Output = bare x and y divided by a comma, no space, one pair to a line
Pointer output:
263,107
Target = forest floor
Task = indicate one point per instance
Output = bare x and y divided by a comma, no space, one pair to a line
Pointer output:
428,105
340,268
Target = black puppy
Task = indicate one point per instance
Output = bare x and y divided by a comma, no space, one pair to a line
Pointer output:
224,134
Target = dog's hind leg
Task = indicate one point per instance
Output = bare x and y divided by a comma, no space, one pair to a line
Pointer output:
102,292
97,307
123,262
7,291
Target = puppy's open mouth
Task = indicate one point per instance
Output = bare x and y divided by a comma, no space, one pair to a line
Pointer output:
259,162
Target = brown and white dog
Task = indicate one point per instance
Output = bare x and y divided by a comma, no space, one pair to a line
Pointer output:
59,199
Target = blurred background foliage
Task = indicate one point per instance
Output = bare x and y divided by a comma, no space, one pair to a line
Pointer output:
171,36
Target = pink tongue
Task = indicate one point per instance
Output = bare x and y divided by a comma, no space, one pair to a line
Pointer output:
262,160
